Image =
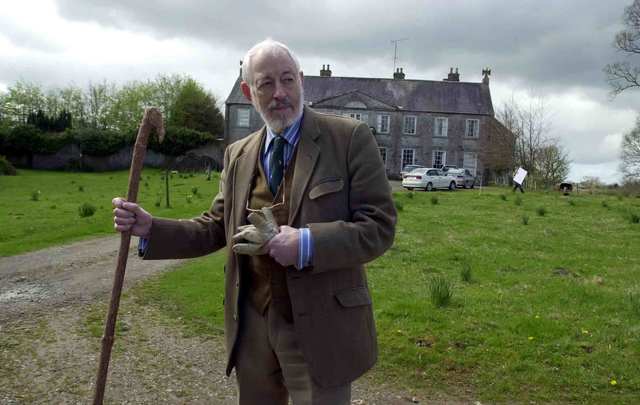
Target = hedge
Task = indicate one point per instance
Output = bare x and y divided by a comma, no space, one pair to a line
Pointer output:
27,139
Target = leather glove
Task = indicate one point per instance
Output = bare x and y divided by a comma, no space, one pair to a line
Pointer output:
262,229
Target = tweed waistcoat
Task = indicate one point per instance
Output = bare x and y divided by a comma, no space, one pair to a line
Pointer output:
267,282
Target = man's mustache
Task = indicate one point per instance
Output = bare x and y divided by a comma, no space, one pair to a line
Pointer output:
280,104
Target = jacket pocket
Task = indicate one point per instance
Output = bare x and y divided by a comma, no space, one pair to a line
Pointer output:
353,297
326,186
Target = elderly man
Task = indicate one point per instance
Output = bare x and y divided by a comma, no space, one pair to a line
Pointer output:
298,316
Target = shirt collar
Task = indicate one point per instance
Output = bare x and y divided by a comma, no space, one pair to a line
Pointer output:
290,134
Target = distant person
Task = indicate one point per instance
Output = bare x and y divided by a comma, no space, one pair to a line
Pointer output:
298,317
518,179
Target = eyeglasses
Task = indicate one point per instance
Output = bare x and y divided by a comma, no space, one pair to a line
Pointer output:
281,203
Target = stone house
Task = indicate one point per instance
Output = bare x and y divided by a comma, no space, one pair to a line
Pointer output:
425,122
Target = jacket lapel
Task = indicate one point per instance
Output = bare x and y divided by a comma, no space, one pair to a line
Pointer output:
306,158
243,172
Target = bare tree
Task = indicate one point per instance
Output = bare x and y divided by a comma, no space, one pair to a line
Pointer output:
630,155
624,75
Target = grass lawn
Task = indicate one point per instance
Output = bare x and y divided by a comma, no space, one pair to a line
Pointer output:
41,208
551,312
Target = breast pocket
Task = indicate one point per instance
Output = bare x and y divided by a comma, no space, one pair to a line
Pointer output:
326,186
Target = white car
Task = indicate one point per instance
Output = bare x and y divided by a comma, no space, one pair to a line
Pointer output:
428,178
463,177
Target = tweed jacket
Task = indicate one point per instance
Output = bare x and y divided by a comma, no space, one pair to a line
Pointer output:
340,191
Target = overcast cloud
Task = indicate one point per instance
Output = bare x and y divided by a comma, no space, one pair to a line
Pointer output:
553,49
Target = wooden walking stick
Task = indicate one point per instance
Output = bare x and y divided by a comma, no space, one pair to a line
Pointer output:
152,119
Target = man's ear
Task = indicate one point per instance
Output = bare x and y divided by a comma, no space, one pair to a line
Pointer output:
246,90
301,77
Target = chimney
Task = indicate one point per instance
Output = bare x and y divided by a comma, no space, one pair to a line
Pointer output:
452,77
486,72
325,72
398,74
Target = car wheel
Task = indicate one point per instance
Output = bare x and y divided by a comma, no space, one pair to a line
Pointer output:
452,186
429,187
473,184
464,185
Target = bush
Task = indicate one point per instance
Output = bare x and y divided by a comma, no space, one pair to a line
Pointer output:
178,140
6,168
22,140
86,210
100,142
441,291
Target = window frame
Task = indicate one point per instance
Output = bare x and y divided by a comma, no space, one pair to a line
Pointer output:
433,158
445,127
476,133
413,157
379,126
240,118
415,124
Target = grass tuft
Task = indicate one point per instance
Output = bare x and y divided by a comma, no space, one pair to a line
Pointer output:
518,200
571,202
86,210
194,190
434,200
410,195
440,291
35,195
503,197
634,302
634,218
525,220
465,273
81,189
542,211
399,205
604,204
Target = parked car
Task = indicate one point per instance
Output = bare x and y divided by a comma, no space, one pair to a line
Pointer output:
463,177
428,178
408,169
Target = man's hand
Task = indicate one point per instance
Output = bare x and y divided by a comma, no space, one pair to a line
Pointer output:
131,217
252,239
284,246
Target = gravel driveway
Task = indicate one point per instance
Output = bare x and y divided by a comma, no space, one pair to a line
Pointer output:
49,355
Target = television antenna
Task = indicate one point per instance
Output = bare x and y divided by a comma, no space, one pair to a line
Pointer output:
395,50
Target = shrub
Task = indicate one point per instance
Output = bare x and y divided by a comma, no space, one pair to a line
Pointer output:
179,140
440,291
35,195
503,197
86,210
542,211
6,168
434,200
465,272
525,220
518,200
22,139
100,142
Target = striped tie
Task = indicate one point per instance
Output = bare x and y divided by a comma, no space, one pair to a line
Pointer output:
276,164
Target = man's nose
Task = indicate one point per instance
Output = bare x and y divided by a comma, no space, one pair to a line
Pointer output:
279,91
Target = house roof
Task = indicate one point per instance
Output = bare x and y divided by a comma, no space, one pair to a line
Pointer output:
401,94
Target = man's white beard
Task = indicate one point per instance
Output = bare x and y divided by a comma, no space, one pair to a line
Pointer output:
278,124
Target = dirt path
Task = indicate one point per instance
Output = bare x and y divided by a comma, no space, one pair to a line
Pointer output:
50,304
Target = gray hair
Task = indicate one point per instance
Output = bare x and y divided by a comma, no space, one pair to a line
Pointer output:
268,45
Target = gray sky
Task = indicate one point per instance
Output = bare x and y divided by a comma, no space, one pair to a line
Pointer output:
549,49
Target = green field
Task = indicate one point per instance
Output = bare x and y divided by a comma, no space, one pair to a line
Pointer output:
551,313
41,208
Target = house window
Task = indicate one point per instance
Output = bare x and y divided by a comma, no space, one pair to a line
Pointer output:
407,157
470,162
473,128
243,117
439,158
442,126
410,124
384,122
358,116
383,155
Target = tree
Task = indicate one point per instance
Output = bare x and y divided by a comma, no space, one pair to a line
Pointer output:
196,109
630,155
624,75
552,164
